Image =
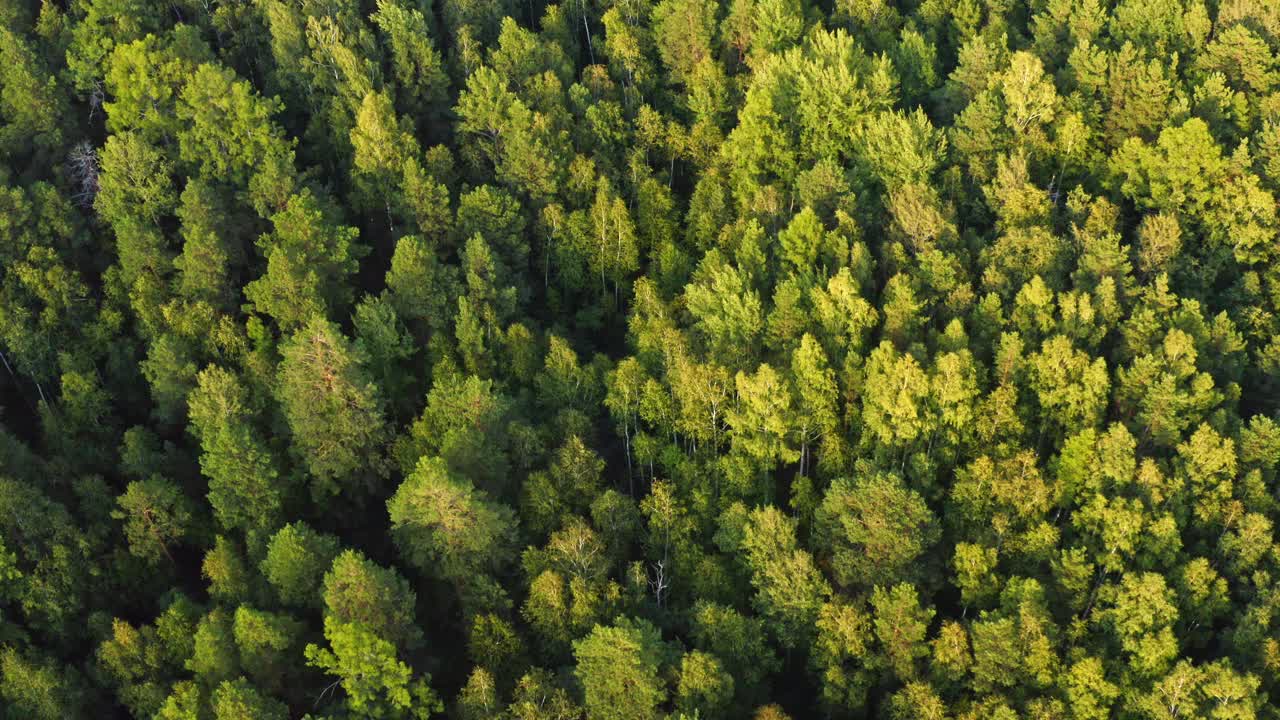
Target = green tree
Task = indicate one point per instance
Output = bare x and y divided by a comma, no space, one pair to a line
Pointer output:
464,423
359,591
145,79
1141,617
215,658
704,688
415,62
229,127
685,35
895,409
334,410
211,251
382,337
266,641
843,657
1013,645
309,259
728,312
156,517
239,700
789,589
244,478
901,625
739,644
376,683
761,425
33,103
35,687
618,666
418,285
1089,694
444,526
1072,388
296,561
877,530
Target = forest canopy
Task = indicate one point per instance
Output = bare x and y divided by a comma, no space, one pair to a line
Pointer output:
639,359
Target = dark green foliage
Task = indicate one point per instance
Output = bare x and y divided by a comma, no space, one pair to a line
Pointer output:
673,359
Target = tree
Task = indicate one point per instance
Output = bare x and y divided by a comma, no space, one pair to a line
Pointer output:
37,688
381,144
568,486
243,473
738,643
478,699
625,387
900,625
1209,464
489,304
684,32
1141,617
444,526
415,62
156,516
628,45
1236,220
842,656
1029,97
537,695
761,424
917,700
497,217
895,410
333,408
141,661
238,700
145,79
789,589
1006,500
266,642
778,25
227,571
521,144
215,658
1013,645
1164,392
229,127
728,312
618,666
1088,692
612,249
844,318
704,688
463,423
1214,690
309,258
384,340
296,560
211,252
877,529
134,185
1072,389
417,284
377,684
32,102
360,592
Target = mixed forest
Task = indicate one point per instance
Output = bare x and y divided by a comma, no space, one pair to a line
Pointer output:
640,359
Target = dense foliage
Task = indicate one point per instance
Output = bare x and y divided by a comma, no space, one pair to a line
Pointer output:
632,359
